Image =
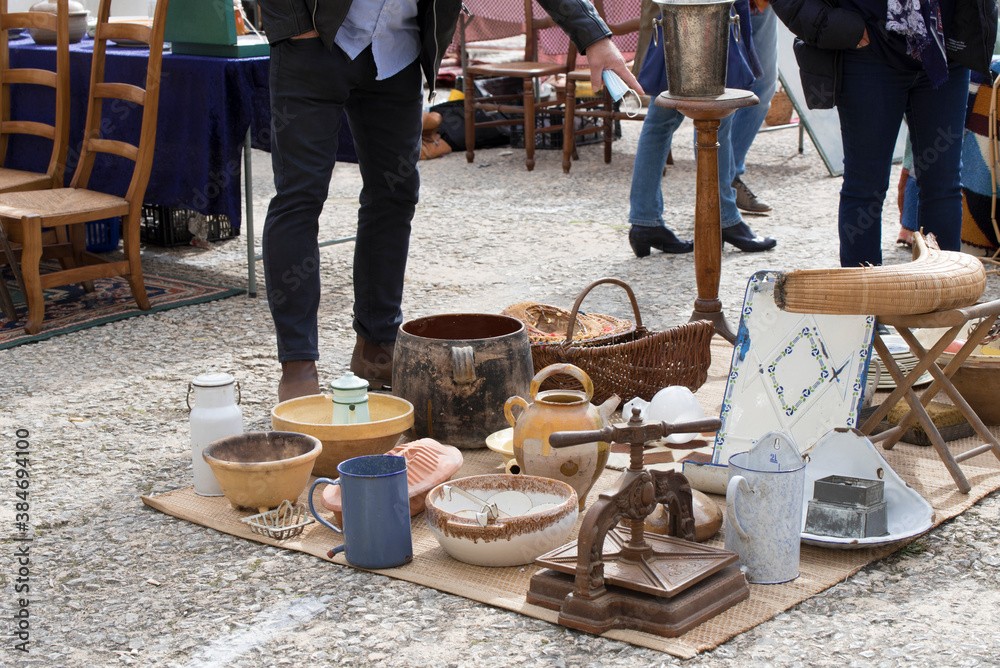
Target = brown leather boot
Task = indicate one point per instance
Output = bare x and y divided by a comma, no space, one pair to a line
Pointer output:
373,362
298,379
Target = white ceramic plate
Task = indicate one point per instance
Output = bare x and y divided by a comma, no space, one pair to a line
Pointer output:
849,453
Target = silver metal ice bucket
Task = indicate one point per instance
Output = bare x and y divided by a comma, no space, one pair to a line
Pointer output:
696,45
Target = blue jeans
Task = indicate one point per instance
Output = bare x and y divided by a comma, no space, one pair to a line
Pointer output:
646,195
747,121
911,201
311,86
874,97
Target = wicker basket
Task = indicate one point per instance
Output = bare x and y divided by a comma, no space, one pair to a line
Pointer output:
780,112
637,363
548,324
935,280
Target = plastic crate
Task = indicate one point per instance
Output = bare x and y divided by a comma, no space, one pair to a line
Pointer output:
167,226
103,236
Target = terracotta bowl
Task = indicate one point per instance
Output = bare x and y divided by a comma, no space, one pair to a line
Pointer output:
978,381
259,470
536,515
313,415
428,464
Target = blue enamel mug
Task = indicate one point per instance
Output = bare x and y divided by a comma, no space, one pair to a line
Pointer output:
375,507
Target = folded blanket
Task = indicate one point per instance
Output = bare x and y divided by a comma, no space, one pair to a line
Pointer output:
978,235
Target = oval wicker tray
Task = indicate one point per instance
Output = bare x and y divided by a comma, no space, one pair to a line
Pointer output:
935,280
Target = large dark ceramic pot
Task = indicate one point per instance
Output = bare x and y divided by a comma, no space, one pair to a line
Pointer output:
457,370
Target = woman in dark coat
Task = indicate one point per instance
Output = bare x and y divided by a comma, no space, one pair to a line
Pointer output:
892,62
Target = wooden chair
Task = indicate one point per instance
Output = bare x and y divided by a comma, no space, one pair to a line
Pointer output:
57,132
34,212
522,106
623,19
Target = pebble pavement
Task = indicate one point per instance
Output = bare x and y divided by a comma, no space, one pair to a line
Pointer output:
115,583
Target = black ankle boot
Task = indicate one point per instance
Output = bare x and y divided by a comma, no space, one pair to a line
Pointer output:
744,238
661,238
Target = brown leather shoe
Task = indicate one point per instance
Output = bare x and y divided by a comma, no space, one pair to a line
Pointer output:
373,362
298,379
433,147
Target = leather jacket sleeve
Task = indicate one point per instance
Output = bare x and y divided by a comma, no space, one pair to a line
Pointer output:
819,24
578,19
287,18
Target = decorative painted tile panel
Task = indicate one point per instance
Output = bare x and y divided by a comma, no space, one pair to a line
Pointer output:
802,374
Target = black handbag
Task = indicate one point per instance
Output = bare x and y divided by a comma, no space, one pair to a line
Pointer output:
819,71
972,34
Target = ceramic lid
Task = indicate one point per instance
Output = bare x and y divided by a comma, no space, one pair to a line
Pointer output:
51,7
349,382
213,379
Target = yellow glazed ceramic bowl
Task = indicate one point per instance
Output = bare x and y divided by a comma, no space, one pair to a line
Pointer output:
313,415
259,470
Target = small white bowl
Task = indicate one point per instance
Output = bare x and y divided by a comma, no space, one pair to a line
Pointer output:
502,443
532,516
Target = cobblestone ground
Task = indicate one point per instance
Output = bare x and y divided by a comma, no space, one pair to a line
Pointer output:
115,583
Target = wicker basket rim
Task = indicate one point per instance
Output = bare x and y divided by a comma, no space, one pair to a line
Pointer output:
589,327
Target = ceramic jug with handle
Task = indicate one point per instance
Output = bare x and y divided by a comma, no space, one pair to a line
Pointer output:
551,411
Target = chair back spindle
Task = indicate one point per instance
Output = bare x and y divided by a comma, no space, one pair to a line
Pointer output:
57,131
146,96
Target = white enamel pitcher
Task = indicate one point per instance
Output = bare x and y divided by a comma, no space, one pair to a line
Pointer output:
764,509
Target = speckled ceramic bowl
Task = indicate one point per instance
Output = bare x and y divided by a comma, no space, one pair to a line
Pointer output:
501,520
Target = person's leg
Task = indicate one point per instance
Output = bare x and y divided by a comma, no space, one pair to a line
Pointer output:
386,121
646,196
307,86
870,104
936,117
911,201
747,121
730,215
734,230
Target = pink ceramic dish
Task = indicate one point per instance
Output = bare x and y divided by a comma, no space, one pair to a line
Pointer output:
428,464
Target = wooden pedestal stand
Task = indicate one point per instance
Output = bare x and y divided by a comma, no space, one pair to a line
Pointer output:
614,578
707,113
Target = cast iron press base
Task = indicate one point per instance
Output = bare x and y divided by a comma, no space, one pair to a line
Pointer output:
617,578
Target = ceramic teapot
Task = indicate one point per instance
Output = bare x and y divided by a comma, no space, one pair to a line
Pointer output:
77,22
560,410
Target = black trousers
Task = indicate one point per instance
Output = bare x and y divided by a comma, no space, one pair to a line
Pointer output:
310,88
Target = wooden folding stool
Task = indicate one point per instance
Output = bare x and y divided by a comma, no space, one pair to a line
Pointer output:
956,320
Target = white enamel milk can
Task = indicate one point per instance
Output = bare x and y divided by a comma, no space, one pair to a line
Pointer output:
215,414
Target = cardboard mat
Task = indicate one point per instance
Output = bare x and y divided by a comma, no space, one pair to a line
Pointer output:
506,587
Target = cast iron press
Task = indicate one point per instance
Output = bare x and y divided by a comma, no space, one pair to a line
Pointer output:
612,577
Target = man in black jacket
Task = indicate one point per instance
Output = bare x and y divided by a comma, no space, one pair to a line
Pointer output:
368,58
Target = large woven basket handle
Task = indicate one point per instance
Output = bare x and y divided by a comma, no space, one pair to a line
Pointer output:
586,291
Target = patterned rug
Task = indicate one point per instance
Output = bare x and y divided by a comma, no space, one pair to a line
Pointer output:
69,309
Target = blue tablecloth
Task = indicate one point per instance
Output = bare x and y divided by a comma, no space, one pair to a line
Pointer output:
206,107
